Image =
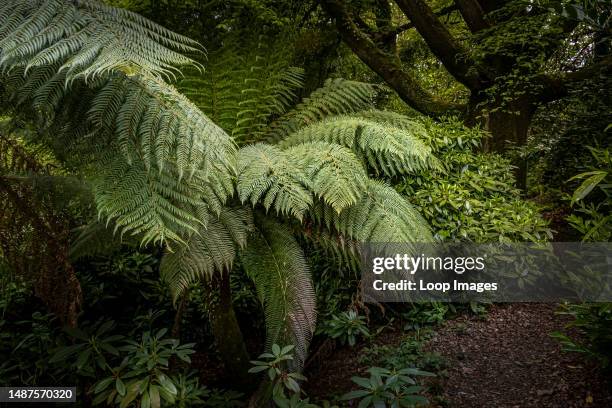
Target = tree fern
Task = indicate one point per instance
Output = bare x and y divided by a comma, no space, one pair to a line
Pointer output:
92,79
132,125
288,179
267,175
332,171
388,149
277,265
381,215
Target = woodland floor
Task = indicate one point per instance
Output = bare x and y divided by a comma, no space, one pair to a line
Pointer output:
506,359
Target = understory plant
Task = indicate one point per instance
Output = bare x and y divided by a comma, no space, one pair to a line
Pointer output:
388,388
473,198
347,327
592,200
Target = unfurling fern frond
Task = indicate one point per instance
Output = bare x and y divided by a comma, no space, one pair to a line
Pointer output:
336,97
381,215
388,149
87,38
277,265
211,250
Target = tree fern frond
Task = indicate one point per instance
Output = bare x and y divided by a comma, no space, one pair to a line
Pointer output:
396,119
336,97
342,253
388,149
242,88
146,203
287,179
382,215
151,120
333,172
268,175
138,127
277,265
88,39
211,250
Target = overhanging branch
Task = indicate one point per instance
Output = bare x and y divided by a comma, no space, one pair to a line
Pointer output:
384,64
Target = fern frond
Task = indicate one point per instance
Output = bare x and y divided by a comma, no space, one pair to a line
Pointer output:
267,175
382,215
211,250
333,172
171,160
287,179
277,265
388,149
241,89
336,97
88,39
342,253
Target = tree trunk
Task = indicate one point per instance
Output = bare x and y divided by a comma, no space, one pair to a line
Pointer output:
226,331
508,127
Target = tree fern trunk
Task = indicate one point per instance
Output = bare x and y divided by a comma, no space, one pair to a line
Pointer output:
227,333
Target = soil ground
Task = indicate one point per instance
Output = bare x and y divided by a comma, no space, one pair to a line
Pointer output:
507,359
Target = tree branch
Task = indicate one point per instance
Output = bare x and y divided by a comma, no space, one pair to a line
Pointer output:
473,14
384,64
450,52
405,27
555,87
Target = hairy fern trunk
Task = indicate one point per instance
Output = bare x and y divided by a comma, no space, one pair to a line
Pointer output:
226,331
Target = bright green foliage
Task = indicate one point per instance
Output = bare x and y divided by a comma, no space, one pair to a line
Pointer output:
162,171
333,172
594,219
387,148
474,197
380,215
269,175
335,97
87,38
98,96
321,178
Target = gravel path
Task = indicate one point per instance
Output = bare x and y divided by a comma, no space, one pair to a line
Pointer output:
509,360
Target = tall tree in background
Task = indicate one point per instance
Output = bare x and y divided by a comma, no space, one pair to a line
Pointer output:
512,56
